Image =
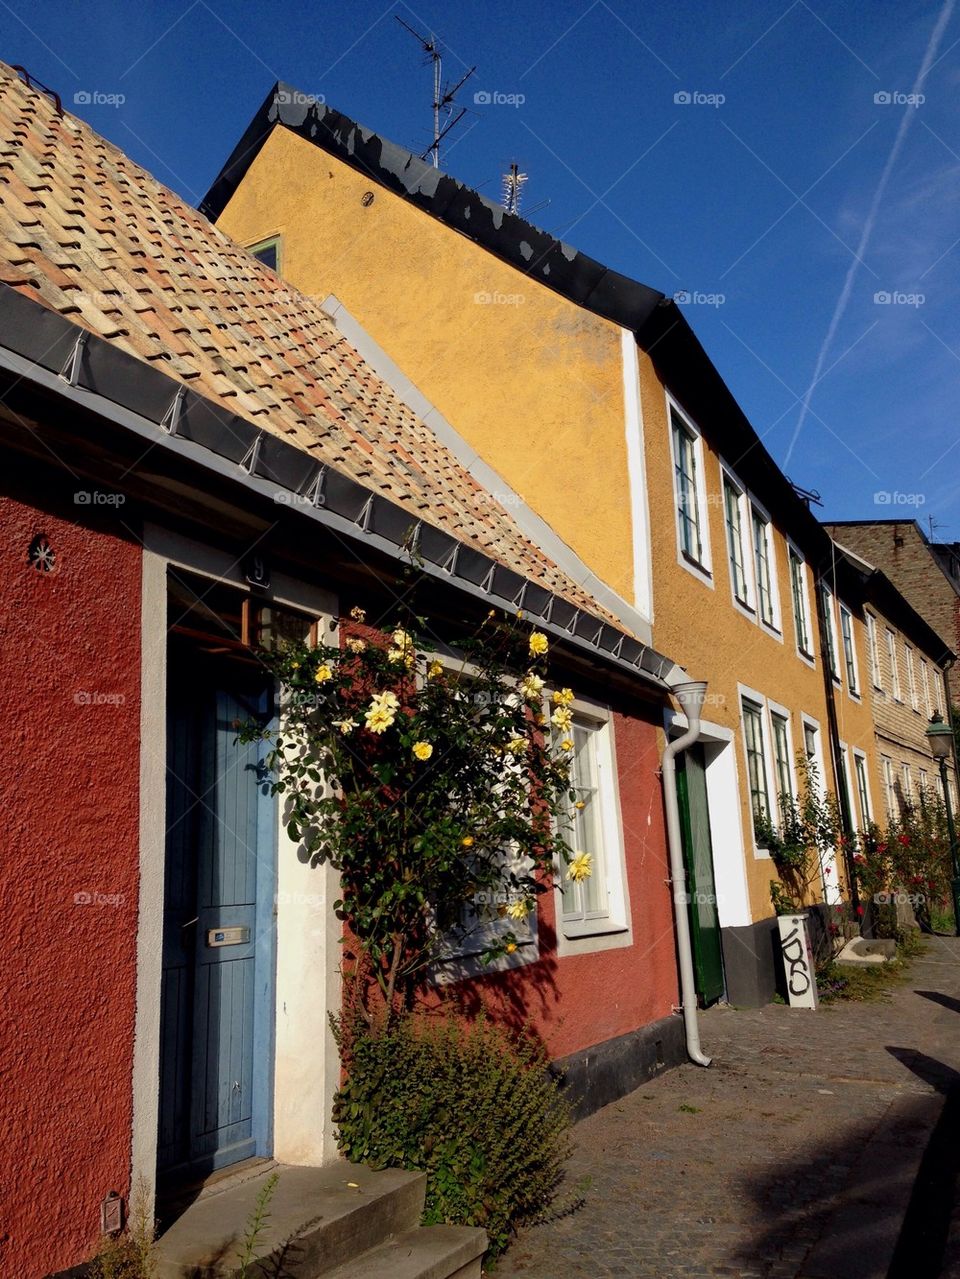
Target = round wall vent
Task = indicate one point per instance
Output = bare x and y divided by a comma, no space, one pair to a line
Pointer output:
42,555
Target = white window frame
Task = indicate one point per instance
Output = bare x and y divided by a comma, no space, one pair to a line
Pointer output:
938,684
876,674
911,677
895,689
832,656
923,781
747,604
807,721
889,787
848,778
925,684
794,556
582,931
760,701
906,783
759,514
701,569
862,775
851,667
778,712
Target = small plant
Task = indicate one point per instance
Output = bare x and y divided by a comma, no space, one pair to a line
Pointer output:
470,1106
256,1225
800,846
131,1254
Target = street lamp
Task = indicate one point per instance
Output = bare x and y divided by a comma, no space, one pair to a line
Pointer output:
941,744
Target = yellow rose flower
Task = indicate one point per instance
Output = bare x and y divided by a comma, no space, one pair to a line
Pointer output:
356,645
517,745
358,614
562,718
563,697
346,726
531,686
323,674
580,804
580,868
434,670
566,744
422,750
467,841
381,712
518,910
538,644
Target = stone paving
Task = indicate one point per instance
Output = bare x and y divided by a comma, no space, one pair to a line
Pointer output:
794,1156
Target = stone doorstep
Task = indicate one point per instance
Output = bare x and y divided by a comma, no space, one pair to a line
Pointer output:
317,1221
429,1252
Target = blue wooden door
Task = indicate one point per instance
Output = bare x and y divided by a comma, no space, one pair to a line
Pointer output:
216,1009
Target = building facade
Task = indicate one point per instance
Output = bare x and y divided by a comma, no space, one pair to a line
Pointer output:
588,394
194,456
926,573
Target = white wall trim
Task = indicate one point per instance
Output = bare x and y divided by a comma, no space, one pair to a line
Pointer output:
637,474
534,526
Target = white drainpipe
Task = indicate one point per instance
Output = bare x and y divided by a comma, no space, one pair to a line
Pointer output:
690,695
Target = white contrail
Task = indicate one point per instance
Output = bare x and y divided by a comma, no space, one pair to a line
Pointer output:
838,312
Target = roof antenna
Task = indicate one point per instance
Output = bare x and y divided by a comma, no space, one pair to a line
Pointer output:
513,181
934,526
443,95
810,497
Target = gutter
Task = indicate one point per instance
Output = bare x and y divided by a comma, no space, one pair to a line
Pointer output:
40,347
690,695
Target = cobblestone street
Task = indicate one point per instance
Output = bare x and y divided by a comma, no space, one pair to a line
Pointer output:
795,1156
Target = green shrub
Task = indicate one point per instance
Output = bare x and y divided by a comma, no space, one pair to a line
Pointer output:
467,1104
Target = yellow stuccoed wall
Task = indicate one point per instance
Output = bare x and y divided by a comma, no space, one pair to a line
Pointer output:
531,380
535,384
701,628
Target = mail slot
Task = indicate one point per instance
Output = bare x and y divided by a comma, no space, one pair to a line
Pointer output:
228,936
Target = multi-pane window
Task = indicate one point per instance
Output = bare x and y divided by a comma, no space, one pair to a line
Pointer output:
763,558
268,252
756,760
733,513
938,688
590,782
827,596
874,651
925,685
685,483
798,590
911,677
894,668
849,652
810,743
906,786
863,789
889,785
781,759
922,784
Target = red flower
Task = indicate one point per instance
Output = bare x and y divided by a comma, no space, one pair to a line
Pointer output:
859,910
904,840
881,848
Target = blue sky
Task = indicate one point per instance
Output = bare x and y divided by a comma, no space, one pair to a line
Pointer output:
768,158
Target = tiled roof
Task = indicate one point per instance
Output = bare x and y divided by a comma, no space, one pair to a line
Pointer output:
91,235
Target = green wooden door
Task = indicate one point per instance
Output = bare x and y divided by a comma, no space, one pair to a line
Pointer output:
698,857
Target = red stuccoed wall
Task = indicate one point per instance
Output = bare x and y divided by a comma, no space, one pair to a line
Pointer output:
577,1001
68,877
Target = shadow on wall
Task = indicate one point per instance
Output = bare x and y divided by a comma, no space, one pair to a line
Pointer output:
848,1207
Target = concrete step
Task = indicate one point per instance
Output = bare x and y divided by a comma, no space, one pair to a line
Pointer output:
429,1252
319,1218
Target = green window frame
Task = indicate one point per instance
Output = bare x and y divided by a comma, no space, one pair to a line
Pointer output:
761,554
781,758
268,252
732,502
798,593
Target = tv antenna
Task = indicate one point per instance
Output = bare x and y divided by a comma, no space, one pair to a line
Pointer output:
935,526
513,182
808,496
444,96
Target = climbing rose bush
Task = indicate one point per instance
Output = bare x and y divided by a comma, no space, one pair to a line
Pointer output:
440,790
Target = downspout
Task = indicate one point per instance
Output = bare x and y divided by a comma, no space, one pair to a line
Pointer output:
690,695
